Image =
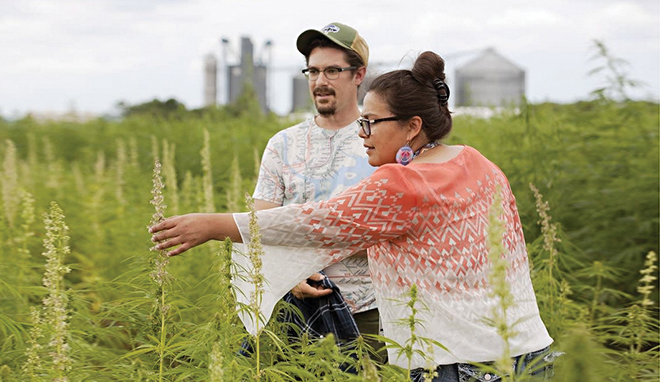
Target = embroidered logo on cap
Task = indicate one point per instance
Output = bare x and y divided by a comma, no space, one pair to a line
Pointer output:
330,28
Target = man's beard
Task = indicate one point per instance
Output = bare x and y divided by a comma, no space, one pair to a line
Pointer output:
325,110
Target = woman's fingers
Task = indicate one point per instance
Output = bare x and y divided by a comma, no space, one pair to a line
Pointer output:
165,230
186,231
165,224
168,243
184,247
173,242
161,236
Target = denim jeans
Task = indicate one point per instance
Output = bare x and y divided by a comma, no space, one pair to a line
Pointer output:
538,364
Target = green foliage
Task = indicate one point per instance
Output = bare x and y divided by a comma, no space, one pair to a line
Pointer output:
155,108
247,103
614,69
591,219
600,178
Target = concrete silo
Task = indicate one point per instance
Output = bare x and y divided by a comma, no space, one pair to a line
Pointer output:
247,71
210,80
489,80
300,98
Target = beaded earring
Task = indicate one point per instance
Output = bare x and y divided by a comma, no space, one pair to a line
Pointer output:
405,154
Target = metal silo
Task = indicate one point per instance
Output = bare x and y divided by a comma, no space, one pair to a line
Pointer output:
489,80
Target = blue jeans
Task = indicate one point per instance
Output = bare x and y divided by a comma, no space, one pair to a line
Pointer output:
539,364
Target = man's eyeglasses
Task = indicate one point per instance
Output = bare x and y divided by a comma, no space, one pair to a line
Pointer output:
331,73
365,124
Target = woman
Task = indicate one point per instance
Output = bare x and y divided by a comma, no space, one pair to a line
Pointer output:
423,218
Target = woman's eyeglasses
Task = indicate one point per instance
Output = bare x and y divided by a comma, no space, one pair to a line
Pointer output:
365,124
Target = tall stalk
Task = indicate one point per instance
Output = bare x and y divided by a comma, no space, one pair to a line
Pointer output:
55,304
500,288
255,252
120,178
160,274
55,171
23,236
207,180
414,345
557,292
234,194
169,171
10,189
645,288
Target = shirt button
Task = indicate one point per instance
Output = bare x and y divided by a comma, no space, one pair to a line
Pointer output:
487,377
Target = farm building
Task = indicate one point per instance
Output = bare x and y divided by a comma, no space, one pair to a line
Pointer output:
489,80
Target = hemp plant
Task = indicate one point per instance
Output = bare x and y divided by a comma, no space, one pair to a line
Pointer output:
52,321
414,345
235,185
169,171
615,72
207,177
25,274
255,253
552,288
33,362
216,371
10,188
500,288
635,328
120,174
159,274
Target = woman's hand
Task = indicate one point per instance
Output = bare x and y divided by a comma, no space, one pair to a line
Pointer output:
188,231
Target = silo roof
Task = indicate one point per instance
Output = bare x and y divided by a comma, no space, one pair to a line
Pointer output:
489,61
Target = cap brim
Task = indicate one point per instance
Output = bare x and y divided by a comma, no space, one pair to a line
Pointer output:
307,36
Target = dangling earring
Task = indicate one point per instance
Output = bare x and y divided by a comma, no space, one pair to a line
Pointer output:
405,154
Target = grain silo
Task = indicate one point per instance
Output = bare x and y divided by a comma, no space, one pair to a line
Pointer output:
210,80
300,97
489,80
247,71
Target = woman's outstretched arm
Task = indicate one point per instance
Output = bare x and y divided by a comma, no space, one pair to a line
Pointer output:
191,230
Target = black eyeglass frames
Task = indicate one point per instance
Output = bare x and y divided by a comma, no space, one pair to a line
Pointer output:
331,73
365,124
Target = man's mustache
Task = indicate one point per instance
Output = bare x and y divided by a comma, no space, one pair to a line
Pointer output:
324,90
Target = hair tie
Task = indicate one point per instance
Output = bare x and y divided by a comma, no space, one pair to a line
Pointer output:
443,91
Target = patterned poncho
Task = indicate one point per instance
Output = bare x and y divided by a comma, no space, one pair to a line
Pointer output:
424,224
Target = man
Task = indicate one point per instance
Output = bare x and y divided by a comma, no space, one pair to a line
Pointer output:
324,155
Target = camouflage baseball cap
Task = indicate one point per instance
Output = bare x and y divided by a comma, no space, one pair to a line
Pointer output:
340,34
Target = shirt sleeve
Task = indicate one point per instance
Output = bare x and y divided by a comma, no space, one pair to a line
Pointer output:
300,239
378,208
270,182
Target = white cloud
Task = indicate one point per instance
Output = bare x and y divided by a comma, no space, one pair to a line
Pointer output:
524,19
626,23
134,50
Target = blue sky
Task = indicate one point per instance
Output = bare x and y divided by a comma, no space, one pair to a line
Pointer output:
88,55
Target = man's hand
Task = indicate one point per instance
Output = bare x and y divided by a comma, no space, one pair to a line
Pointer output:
304,290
